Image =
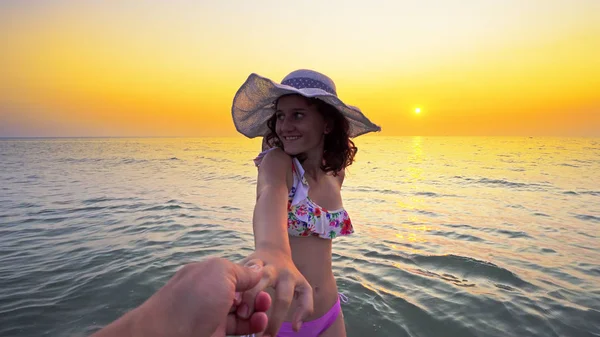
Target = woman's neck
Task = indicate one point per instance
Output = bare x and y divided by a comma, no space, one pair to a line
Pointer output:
312,163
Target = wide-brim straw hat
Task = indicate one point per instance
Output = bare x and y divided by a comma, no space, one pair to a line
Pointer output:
254,102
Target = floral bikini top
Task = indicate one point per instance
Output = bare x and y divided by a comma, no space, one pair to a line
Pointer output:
305,217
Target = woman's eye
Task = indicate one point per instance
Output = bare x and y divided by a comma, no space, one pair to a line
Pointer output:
280,116
299,115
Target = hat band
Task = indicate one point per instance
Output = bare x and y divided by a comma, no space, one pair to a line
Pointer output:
305,82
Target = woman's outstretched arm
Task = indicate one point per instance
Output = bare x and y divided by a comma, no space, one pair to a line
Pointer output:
272,246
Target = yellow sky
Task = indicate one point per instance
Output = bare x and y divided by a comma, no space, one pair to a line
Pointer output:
171,68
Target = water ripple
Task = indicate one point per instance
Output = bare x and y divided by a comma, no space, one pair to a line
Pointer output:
500,239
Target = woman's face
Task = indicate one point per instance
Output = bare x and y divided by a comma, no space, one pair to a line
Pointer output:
299,126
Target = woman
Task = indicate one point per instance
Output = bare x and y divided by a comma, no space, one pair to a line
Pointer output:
299,209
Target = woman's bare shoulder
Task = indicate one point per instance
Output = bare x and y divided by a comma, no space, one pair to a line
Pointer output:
276,158
275,166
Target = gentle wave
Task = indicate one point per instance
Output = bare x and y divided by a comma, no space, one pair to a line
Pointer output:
447,243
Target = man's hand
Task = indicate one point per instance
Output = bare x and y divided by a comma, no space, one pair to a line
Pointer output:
200,300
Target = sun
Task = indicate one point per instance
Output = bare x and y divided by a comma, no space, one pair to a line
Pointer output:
418,111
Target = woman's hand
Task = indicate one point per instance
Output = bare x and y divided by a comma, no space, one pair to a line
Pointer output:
280,273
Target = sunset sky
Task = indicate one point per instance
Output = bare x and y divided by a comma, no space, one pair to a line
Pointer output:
171,68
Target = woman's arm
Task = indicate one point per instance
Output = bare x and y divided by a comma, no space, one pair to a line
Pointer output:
270,212
272,246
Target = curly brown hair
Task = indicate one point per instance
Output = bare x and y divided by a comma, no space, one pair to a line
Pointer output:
338,151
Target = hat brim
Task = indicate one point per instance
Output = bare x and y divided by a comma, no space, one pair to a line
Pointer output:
253,106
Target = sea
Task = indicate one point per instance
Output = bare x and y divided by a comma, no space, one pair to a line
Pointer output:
454,236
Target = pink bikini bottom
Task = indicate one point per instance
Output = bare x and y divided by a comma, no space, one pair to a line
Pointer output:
312,328
315,327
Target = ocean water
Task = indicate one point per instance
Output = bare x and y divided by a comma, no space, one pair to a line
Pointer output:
454,236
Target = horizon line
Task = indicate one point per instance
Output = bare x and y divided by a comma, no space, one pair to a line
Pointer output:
241,136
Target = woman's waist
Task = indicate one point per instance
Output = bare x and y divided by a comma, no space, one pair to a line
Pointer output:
325,294
312,257
320,278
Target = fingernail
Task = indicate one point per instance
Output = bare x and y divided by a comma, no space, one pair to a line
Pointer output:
255,267
238,298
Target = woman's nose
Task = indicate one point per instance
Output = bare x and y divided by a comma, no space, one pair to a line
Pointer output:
287,125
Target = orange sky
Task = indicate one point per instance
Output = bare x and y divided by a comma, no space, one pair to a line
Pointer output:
159,68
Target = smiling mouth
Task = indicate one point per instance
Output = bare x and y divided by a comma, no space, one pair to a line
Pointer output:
291,138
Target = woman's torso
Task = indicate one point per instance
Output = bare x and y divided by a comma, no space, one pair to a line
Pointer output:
311,252
312,255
